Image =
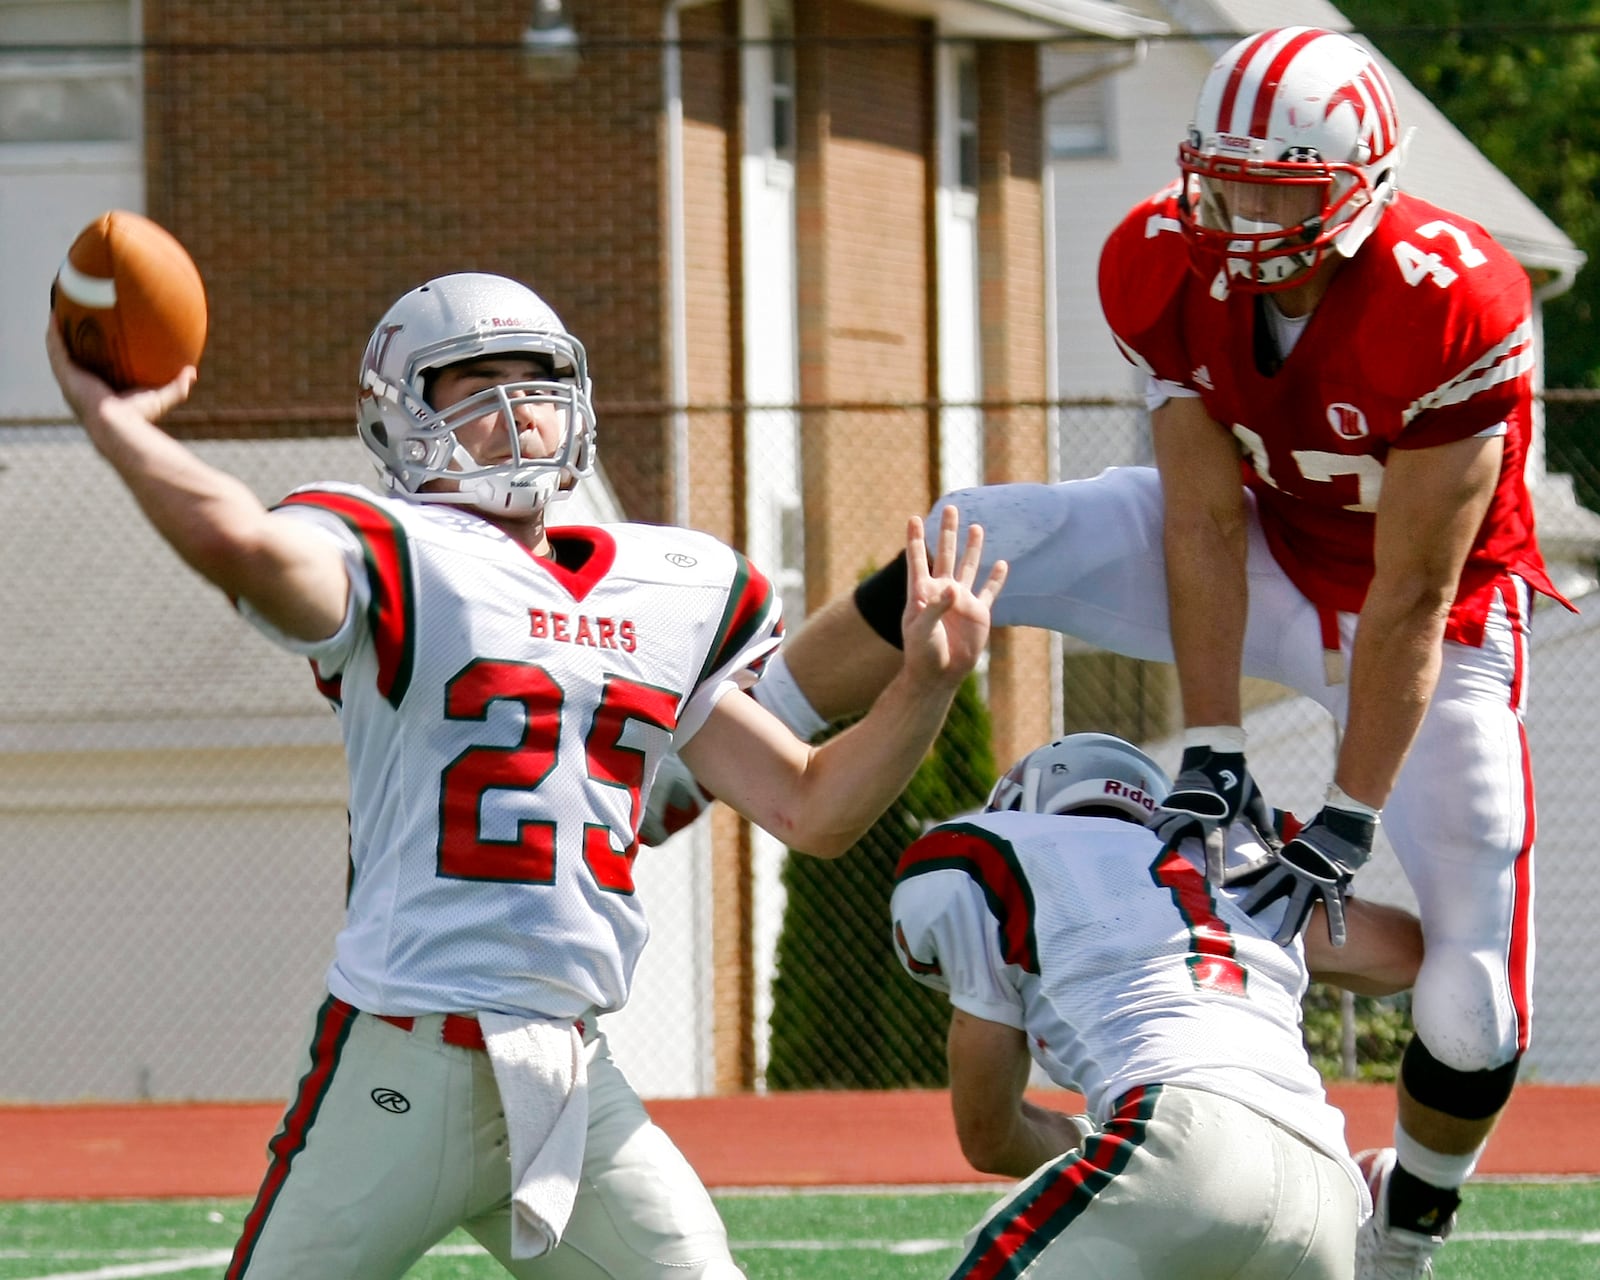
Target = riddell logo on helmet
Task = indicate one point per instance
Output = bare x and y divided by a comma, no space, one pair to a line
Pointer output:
1234,141
1138,795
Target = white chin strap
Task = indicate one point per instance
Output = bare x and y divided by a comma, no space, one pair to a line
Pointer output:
516,493
1272,270
1360,227
507,491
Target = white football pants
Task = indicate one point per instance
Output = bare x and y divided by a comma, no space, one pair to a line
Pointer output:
1179,1184
395,1139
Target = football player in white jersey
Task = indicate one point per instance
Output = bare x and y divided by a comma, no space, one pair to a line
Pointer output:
506,692
1065,932
1365,360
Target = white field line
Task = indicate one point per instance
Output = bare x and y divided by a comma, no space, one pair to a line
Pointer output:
1567,1237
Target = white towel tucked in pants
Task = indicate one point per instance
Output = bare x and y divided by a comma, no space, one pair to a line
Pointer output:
544,1089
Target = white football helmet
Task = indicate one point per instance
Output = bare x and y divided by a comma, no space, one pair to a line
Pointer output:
1294,149
455,318
1083,771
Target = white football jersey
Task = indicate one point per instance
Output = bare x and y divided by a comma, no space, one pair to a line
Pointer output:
503,718
1114,955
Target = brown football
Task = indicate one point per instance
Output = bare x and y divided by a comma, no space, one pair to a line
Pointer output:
130,301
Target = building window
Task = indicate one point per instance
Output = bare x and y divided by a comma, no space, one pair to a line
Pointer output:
782,20
55,84
966,121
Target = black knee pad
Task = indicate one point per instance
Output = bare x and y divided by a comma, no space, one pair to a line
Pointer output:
1467,1095
881,599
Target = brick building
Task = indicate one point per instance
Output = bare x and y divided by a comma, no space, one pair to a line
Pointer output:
804,244
723,222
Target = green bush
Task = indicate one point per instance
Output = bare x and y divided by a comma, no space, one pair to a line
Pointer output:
844,1014
1382,1027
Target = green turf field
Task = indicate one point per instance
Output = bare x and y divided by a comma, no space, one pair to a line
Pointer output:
1550,1231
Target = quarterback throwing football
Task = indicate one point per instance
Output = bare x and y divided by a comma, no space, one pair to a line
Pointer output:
506,692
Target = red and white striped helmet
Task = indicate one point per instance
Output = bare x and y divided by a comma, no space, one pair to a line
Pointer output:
1294,148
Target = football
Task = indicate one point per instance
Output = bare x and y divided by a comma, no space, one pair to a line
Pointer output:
130,302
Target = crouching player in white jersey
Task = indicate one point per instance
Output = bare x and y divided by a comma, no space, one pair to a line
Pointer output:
506,692
1060,926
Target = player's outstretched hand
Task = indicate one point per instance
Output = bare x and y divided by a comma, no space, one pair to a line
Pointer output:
1318,864
946,621
92,399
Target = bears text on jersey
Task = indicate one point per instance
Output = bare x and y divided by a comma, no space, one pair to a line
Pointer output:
579,628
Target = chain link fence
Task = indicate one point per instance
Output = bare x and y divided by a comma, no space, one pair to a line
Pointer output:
172,813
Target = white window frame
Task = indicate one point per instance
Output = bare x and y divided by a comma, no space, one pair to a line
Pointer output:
956,239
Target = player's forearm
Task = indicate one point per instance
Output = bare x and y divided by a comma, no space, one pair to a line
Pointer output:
1393,671
1205,535
1208,600
1050,1133
853,777
1381,956
205,514
1037,1134
839,662
1000,1131
1432,505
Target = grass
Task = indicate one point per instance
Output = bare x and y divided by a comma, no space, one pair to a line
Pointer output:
1548,1230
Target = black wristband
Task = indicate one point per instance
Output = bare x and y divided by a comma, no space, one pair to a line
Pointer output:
881,600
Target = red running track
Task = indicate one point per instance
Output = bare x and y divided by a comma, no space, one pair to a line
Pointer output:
155,1150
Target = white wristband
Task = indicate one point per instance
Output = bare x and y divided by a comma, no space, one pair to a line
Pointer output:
1219,737
1339,798
780,694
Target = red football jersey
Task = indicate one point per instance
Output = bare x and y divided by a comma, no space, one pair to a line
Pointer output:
1425,337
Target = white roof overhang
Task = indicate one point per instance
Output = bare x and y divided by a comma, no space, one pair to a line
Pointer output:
1030,19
